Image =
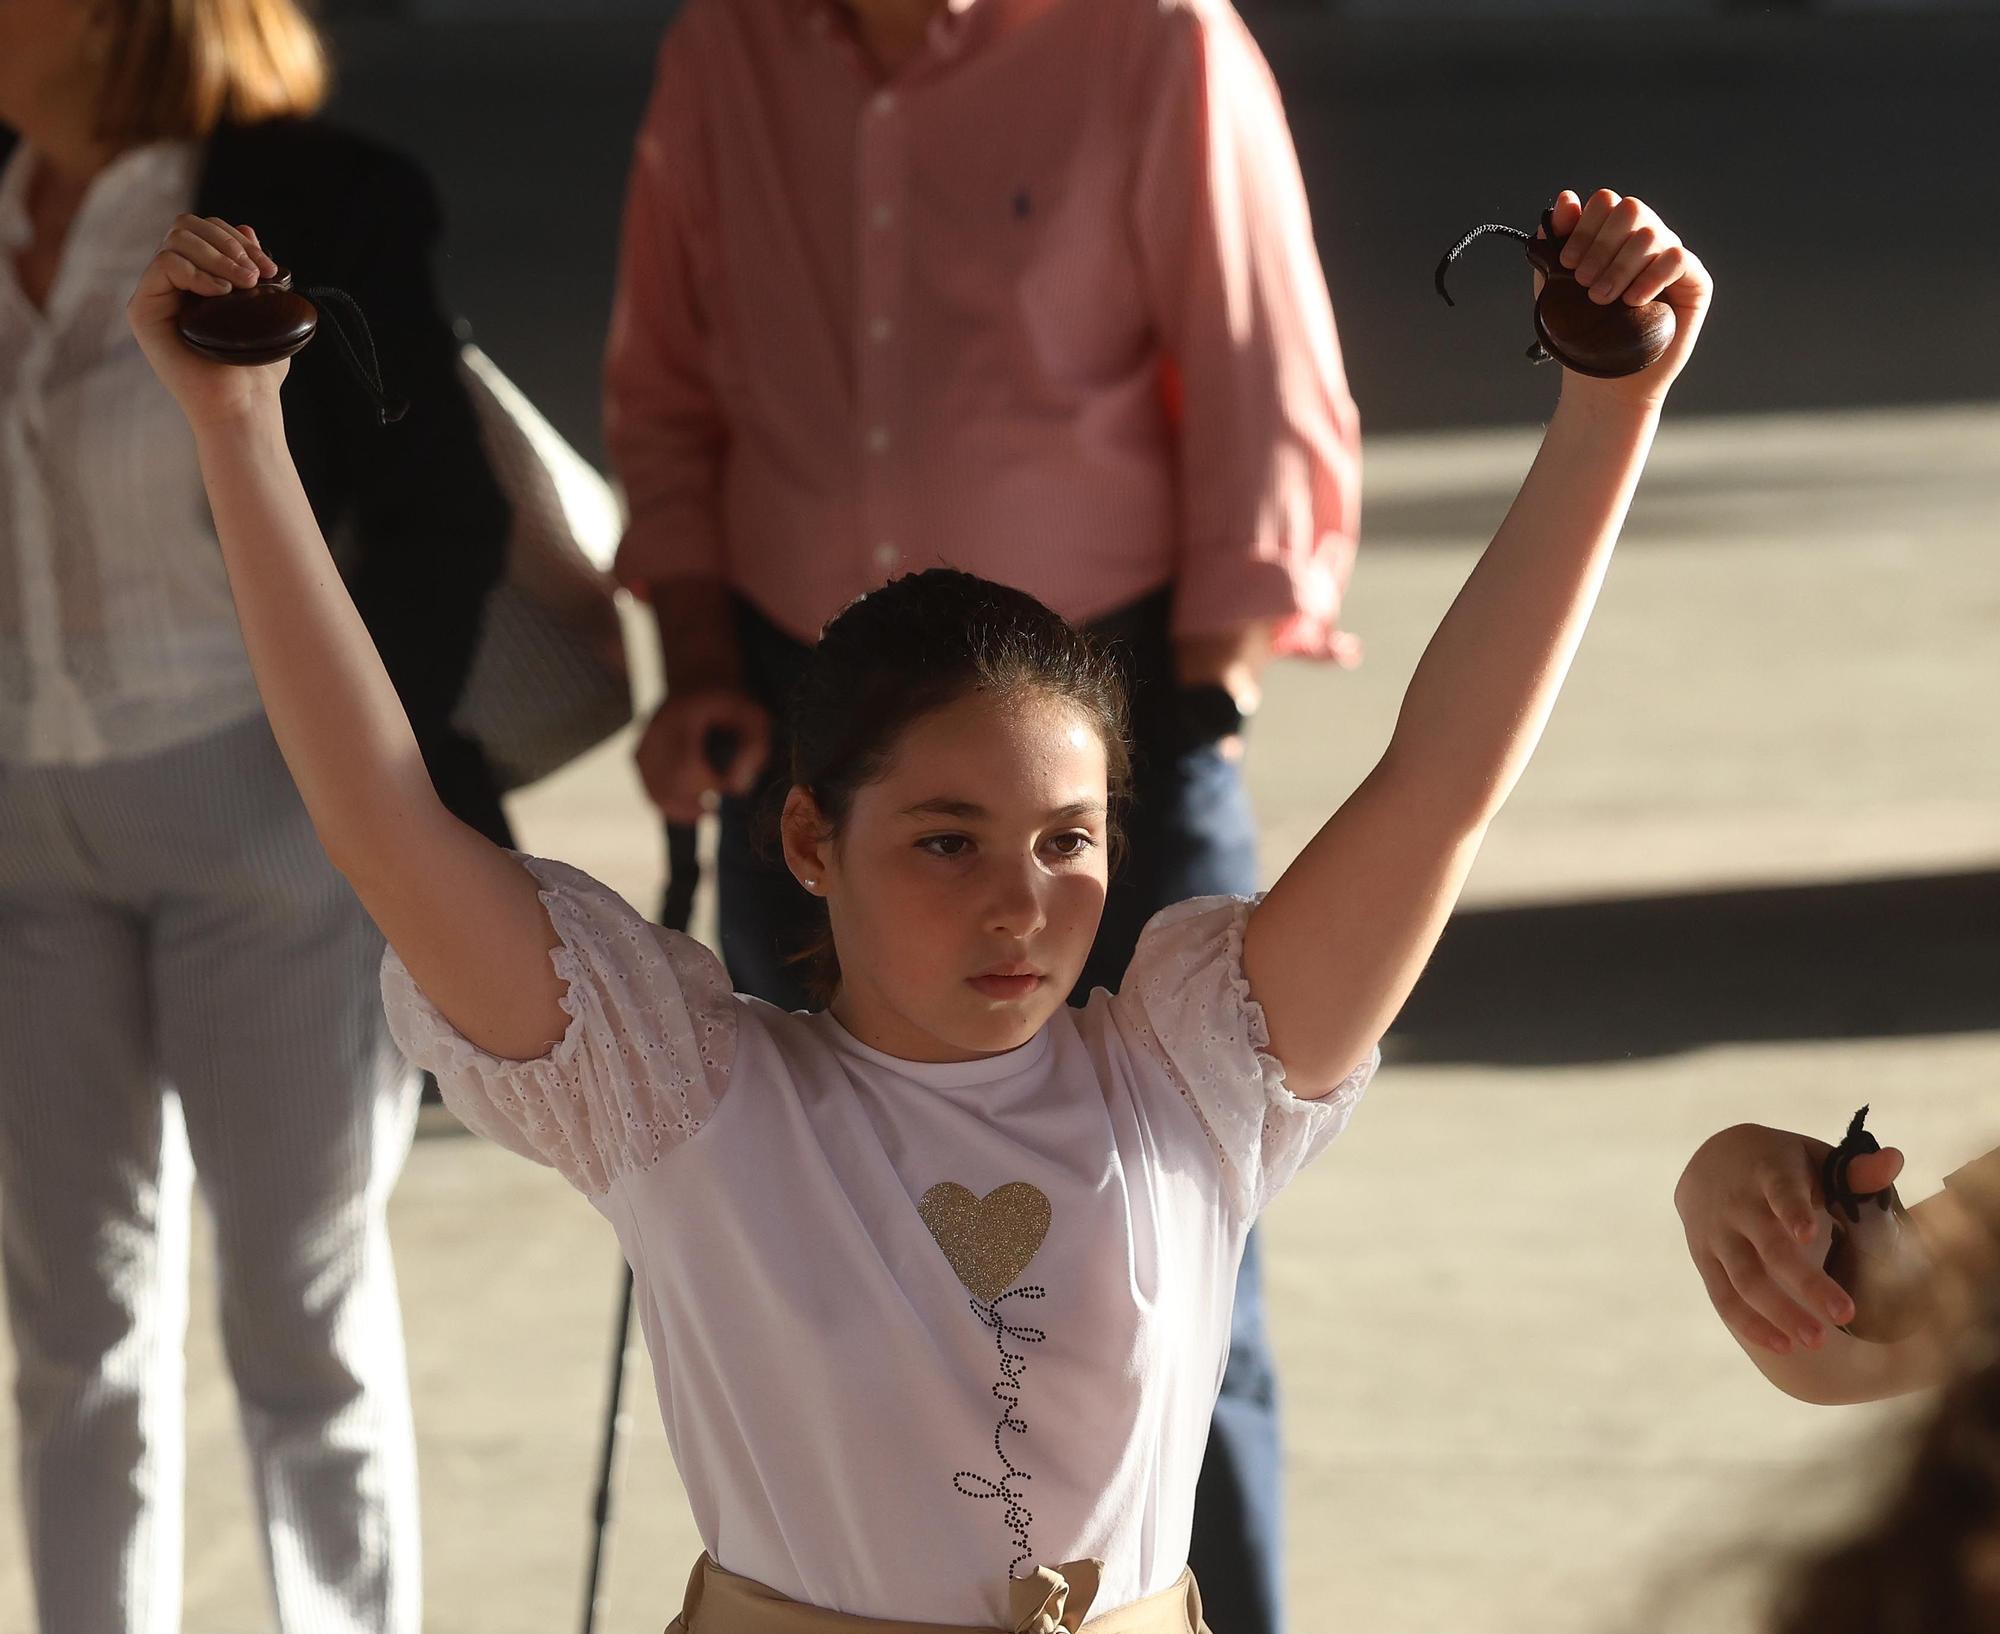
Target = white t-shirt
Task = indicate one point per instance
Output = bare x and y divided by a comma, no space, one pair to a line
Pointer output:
916,1328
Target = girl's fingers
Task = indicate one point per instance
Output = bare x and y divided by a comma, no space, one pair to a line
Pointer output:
1874,1171
199,252
211,248
1634,256
241,247
1755,1287
1657,276
1738,1317
1796,1275
1596,211
229,238
1788,1188
213,230
1564,211
1617,226
265,264
181,273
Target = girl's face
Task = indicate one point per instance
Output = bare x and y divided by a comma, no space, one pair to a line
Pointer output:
966,885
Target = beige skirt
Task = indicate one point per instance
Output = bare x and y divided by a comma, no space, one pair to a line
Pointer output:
1054,1598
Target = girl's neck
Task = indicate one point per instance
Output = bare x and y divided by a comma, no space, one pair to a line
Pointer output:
64,157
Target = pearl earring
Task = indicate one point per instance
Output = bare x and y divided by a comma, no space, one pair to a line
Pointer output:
810,884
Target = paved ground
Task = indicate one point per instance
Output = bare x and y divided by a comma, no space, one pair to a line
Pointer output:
1753,875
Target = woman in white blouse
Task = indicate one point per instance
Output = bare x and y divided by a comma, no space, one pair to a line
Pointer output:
187,987
935,1281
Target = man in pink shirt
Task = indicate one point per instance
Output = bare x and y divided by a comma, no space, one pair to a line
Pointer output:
1025,287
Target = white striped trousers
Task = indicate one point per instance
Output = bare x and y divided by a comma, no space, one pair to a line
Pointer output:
172,937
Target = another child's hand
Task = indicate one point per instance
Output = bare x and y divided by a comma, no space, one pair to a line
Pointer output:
1758,1232
201,256
1620,250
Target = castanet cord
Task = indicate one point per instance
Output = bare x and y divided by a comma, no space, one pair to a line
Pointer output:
344,311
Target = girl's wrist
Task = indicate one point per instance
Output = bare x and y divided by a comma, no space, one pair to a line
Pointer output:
253,415
1609,400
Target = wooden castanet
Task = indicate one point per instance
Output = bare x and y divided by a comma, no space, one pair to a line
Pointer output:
1875,1254
1605,341
268,321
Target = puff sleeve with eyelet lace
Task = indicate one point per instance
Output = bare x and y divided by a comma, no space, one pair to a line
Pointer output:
1188,1003
640,1067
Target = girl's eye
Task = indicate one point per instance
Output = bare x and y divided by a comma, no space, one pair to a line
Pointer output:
945,845
1073,844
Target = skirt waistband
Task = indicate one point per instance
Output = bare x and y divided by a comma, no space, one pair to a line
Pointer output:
1054,1600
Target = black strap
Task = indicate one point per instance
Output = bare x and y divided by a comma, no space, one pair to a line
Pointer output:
1451,255
1857,1142
341,308
1537,353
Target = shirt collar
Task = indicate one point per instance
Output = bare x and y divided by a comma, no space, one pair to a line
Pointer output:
125,211
947,31
986,1069
14,230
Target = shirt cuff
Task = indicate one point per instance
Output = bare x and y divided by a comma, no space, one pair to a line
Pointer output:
680,544
1301,601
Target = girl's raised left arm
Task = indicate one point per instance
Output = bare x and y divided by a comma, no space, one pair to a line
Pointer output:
1335,948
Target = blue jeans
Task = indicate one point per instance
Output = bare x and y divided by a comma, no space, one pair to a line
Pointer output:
1189,832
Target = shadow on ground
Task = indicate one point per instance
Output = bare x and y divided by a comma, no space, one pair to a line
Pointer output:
1576,982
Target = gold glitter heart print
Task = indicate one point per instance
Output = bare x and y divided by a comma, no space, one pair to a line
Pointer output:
987,1240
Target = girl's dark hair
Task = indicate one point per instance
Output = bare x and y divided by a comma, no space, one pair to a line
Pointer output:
1927,1561
916,645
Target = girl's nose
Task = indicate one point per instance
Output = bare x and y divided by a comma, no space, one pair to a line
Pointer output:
1015,905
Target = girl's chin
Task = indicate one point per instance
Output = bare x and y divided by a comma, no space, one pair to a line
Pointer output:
1006,1025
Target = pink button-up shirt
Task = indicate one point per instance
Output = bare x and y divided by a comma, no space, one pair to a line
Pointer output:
1044,305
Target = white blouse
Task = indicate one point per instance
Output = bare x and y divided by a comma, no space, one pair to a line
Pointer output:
117,633
916,1329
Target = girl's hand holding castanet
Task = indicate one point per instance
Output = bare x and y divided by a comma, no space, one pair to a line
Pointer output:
202,256
1758,1232
1620,250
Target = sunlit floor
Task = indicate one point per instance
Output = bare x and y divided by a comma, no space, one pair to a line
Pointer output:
1508,1406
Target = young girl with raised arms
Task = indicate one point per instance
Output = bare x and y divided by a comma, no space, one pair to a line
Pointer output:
935,1282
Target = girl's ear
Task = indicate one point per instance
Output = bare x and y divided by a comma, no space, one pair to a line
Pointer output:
808,846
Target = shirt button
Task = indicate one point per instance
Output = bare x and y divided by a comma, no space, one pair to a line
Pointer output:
880,330
878,441
887,556
884,104
881,215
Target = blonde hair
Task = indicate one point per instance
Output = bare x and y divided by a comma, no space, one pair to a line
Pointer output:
178,68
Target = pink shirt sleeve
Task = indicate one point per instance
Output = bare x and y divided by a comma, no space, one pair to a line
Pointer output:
1269,455
663,426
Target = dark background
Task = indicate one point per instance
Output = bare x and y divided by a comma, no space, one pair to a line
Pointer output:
1836,171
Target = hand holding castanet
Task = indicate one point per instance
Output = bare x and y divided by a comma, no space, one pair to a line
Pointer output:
200,263
264,323
213,297
1616,293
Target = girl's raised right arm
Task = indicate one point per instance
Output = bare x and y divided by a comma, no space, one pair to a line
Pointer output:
465,917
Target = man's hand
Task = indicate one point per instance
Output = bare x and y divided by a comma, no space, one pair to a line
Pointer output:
672,757
1232,659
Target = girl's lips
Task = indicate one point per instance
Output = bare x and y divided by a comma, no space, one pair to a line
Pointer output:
1005,987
